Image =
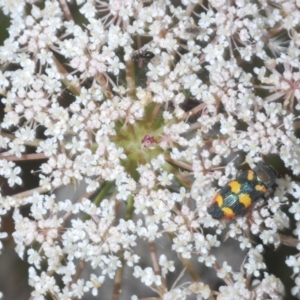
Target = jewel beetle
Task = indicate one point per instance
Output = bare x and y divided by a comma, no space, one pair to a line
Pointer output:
237,196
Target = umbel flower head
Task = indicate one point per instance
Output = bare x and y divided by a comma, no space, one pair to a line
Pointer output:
147,108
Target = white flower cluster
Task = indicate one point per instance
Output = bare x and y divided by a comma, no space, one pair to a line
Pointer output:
151,138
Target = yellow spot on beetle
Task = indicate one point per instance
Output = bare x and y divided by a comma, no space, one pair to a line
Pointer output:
229,213
245,199
250,175
235,186
219,199
261,188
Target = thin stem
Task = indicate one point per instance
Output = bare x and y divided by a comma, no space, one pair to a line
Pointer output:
130,79
178,278
190,269
66,10
187,183
189,9
130,76
119,272
154,113
187,264
74,89
155,263
34,143
178,163
79,271
29,193
118,278
107,185
103,80
130,207
194,111
288,240
227,279
24,157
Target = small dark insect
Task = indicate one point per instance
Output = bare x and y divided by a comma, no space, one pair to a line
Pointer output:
194,30
144,56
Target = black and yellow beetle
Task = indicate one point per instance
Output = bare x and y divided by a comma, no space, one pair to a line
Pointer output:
238,195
